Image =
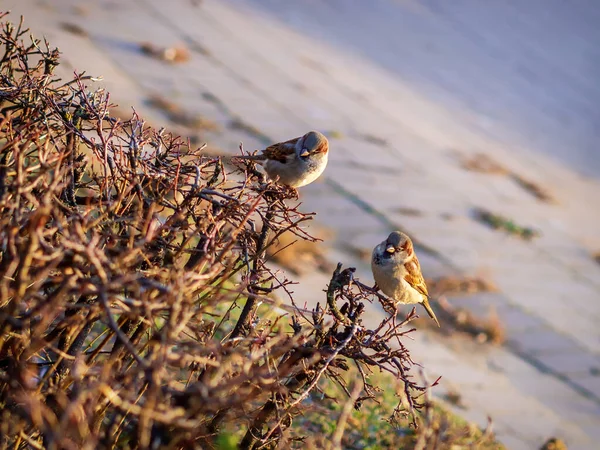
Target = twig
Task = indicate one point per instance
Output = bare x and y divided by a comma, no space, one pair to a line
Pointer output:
336,439
244,318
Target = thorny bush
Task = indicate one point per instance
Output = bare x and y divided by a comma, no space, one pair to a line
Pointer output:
131,271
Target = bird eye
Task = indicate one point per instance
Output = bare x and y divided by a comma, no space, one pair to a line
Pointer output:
390,249
304,153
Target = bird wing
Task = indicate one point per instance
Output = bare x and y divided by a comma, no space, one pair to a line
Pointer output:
282,151
414,277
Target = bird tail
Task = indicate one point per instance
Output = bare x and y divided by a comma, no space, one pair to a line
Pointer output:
258,158
427,307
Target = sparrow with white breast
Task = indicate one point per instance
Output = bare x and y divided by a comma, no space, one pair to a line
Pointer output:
397,272
296,162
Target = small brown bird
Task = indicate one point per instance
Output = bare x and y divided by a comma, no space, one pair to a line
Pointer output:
397,272
296,162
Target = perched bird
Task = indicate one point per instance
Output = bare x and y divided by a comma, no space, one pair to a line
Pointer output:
397,272
296,162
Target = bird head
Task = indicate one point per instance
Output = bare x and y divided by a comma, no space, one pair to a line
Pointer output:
398,246
313,145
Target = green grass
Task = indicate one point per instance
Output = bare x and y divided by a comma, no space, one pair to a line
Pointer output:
372,426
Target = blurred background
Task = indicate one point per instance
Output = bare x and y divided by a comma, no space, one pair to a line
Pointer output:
473,126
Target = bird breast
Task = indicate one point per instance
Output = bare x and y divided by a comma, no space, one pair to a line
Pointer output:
389,276
296,172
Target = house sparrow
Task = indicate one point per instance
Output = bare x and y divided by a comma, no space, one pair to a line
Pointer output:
296,162
397,272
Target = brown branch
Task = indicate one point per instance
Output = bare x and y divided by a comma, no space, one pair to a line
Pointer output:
244,318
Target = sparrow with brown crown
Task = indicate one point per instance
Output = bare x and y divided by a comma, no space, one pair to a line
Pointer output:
397,272
294,163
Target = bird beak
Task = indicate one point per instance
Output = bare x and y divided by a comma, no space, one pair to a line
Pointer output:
390,249
305,153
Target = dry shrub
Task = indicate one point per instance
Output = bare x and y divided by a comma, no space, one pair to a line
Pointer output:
124,256
301,257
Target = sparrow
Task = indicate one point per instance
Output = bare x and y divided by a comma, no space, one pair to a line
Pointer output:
397,272
296,162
